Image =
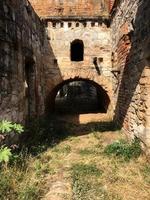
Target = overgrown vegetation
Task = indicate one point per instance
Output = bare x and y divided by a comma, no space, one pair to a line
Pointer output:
54,151
124,149
15,181
84,181
24,169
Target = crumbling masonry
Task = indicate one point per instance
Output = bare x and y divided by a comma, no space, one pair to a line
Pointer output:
37,41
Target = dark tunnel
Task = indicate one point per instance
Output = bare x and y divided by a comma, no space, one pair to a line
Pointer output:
78,96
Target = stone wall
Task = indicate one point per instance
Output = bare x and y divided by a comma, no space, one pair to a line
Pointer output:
61,8
21,44
96,65
131,58
35,55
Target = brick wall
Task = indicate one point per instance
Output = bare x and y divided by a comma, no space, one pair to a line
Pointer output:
92,8
131,45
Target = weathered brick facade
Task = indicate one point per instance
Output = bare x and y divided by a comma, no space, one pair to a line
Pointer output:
35,57
41,52
62,8
131,46
85,21
97,45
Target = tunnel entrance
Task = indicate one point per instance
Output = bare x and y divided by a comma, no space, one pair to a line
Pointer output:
79,97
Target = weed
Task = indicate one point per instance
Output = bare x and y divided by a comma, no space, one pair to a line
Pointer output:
41,169
82,187
65,150
146,173
85,186
30,192
85,169
123,149
5,154
86,190
6,129
6,186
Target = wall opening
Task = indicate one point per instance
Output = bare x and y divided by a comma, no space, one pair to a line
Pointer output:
29,88
77,50
78,96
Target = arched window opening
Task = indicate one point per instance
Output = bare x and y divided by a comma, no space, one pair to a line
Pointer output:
77,50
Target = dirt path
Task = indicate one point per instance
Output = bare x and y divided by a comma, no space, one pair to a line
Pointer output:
80,170
84,118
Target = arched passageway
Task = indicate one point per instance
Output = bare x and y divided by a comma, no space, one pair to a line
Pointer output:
78,96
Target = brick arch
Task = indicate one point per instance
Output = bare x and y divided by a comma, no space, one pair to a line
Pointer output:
98,81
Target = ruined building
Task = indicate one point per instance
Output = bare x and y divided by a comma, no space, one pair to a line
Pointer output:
45,44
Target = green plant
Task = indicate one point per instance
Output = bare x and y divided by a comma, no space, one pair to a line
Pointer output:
6,127
123,149
5,154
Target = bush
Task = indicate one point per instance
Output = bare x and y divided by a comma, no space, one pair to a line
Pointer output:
123,149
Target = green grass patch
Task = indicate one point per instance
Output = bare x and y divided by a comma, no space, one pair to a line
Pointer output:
124,149
86,183
87,190
85,170
82,183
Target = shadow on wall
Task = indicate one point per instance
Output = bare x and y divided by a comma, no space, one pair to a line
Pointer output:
129,90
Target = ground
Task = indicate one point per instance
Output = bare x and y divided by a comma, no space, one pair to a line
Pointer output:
82,171
75,167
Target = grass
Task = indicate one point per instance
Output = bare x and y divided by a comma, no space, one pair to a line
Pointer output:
93,164
87,185
124,149
20,187
145,170
85,170
83,185
66,149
